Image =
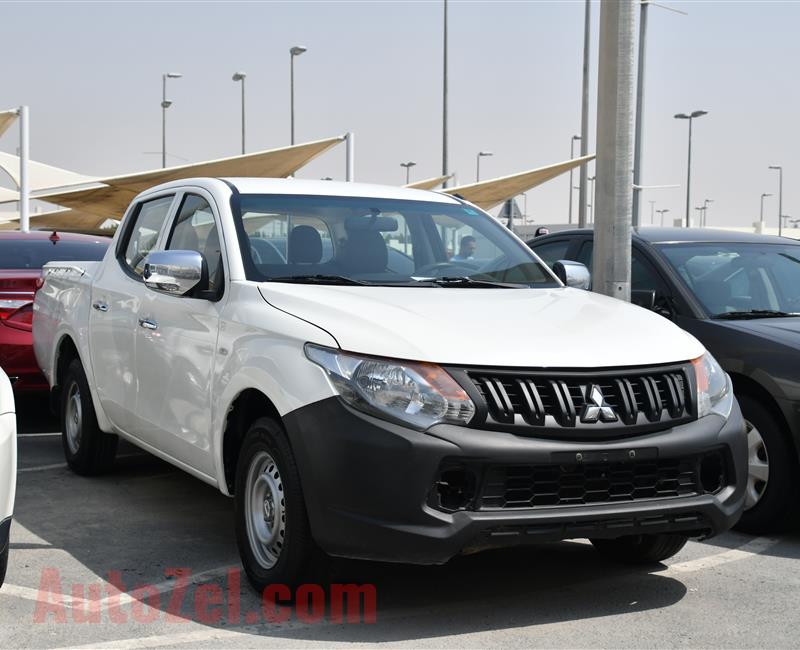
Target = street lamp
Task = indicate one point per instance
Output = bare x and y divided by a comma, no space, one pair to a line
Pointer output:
571,156
408,165
480,155
780,197
763,196
705,211
297,50
662,212
591,198
652,208
690,117
164,106
240,76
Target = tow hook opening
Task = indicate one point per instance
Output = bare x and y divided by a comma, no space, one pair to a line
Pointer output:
712,473
455,489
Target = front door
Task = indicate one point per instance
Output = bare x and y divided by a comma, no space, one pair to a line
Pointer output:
176,340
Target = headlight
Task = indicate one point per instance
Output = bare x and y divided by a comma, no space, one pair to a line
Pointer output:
714,393
418,394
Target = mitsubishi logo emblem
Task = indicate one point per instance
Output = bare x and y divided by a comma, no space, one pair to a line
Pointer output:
596,407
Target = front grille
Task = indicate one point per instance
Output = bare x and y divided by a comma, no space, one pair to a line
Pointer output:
531,486
610,403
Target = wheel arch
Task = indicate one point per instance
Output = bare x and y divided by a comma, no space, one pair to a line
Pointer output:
248,405
748,385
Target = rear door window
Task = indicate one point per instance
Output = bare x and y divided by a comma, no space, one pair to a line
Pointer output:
142,236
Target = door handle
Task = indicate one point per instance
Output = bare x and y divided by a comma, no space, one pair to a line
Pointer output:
100,306
148,324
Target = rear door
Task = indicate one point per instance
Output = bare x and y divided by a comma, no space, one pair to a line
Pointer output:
176,343
117,293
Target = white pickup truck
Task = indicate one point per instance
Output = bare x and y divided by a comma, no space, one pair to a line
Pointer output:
385,373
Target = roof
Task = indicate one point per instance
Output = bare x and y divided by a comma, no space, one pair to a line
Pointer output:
333,188
656,235
45,234
428,183
7,118
109,197
493,192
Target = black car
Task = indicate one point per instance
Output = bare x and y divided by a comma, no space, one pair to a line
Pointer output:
739,294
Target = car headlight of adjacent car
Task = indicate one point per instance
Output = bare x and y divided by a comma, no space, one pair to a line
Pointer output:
413,393
714,390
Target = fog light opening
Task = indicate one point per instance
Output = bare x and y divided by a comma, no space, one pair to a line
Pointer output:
712,473
456,489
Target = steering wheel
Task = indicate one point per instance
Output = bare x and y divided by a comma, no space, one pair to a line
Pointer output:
255,255
429,269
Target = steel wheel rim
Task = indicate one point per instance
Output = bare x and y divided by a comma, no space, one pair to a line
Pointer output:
73,418
265,510
757,466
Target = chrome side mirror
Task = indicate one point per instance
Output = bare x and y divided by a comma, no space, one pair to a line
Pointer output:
573,274
174,273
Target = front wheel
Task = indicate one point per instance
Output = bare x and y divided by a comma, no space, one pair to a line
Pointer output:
773,484
641,549
88,450
3,565
272,529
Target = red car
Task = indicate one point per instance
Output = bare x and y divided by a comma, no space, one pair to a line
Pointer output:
22,255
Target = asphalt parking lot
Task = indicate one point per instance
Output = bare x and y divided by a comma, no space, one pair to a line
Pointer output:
139,524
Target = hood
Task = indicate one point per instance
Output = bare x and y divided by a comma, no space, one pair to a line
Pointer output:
781,330
559,327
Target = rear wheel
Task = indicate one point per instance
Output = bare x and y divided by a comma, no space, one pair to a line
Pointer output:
272,529
641,549
88,450
773,485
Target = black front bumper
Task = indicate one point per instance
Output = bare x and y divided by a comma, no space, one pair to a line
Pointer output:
368,485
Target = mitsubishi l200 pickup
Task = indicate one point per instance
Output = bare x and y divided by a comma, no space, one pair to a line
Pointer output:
384,373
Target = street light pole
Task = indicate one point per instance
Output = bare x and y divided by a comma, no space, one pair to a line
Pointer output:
240,76
690,117
780,197
763,196
591,197
652,208
571,156
297,50
408,165
165,104
445,171
637,146
480,155
705,211
584,172
661,212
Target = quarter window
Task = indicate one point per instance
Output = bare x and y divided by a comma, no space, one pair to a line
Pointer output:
150,218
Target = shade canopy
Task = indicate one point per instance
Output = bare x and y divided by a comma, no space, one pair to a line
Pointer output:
109,197
490,193
428,183
41,176
7,119
64,220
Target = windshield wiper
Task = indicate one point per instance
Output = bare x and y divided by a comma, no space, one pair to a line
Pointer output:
316,279
465,281
754,313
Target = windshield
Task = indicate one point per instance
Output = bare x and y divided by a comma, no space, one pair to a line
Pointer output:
35,253
740,279
357,241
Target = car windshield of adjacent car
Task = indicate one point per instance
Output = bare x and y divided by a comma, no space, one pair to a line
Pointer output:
376,241
740,280
35,253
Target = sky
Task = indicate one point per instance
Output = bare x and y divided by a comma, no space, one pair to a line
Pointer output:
91,74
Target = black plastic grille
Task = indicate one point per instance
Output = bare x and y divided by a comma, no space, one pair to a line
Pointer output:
608,402
530,486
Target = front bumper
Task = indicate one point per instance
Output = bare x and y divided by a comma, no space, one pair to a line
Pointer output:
368,485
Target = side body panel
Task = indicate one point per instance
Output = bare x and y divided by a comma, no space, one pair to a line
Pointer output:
8,449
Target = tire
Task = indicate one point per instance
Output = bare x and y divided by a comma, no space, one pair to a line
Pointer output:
3,565
273,535
88,450
770,504
641,549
